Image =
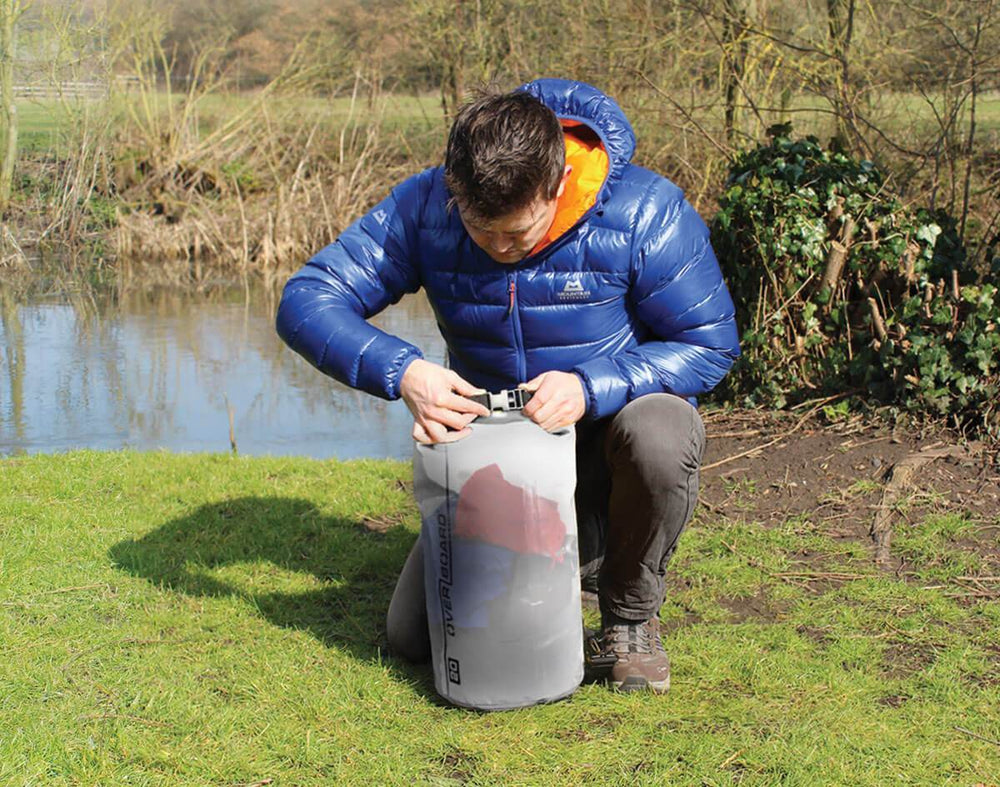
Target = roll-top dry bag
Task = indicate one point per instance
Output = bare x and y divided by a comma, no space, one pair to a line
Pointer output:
501,568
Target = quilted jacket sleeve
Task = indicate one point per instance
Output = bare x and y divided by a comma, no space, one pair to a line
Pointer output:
678,294
325,306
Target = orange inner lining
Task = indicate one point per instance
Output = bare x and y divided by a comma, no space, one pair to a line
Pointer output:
589,167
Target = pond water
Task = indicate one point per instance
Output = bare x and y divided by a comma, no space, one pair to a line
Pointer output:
155,368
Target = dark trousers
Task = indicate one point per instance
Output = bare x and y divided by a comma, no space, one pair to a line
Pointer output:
637,484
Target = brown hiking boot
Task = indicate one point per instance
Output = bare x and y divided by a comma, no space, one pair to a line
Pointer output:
642,663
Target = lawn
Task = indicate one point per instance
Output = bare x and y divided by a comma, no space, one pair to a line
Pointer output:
216,620
41,120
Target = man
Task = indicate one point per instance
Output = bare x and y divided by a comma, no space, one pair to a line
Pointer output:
554,263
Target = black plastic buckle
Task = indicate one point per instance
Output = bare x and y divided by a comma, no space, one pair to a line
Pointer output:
508,399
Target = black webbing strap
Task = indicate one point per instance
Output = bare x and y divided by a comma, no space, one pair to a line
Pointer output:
508,399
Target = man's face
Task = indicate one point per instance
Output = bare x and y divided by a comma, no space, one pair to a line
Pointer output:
511,237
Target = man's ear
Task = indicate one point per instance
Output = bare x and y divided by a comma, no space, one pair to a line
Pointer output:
562,183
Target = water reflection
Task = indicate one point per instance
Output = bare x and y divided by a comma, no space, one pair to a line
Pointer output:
153,370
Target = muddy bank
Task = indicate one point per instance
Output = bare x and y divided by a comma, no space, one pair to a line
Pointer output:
850,479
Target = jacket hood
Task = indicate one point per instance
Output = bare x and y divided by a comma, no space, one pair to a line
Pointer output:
579,101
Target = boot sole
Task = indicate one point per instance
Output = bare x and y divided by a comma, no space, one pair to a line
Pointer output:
636,683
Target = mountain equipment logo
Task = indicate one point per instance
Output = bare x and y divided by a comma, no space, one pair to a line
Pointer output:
573,291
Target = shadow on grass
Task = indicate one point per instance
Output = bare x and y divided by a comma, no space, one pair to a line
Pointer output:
190,555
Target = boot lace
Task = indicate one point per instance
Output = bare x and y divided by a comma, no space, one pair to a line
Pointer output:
635,638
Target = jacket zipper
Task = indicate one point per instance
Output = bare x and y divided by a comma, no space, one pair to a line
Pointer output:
518,340
522,361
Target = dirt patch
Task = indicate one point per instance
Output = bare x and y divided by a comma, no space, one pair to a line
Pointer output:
821,636
902,659
574,735
758,608
459,765
768,467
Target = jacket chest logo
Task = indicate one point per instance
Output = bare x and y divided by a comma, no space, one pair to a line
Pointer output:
573,291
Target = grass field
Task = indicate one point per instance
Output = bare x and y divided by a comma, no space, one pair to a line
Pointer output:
175,620
41,119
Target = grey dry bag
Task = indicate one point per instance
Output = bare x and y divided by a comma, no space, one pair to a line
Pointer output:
501,568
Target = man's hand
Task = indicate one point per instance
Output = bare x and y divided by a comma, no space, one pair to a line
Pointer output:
436,397
558,400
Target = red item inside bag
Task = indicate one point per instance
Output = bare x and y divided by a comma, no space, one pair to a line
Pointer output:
493,510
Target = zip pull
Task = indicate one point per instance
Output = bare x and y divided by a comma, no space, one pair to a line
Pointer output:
510,290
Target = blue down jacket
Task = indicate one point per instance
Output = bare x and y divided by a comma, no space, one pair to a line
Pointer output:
631,298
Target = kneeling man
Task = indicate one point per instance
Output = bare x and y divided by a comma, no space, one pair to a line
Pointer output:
555,264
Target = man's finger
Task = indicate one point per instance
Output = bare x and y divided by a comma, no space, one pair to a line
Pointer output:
542,391
462,405
454,437
564,414
463,386
448,418
555,421
546,412
533,384
420,434
439,434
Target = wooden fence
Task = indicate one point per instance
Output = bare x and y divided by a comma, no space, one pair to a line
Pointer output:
95,89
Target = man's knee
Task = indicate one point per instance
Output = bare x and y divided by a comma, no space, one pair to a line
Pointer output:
406,621
661,432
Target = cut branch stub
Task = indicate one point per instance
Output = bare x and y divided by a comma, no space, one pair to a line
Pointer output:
835,260
897,480
872,228
847,232
878,324
910,263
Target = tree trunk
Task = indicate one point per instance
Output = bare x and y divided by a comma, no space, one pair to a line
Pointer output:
9,11
840,19
453,65
735,55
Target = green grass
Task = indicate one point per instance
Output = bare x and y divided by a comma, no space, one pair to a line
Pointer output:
41,120
210,620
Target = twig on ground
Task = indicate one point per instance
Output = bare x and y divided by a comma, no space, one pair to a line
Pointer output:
27,601
978,737
824,400
711,507
779,438
817,575
744,433
866,442
76,588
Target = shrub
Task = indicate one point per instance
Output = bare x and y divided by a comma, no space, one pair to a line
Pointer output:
840,287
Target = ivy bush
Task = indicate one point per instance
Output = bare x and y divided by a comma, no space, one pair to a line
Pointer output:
840,287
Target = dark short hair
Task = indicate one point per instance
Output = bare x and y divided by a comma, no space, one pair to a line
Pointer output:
504,150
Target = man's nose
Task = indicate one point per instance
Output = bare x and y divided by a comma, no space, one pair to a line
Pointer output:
501,244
